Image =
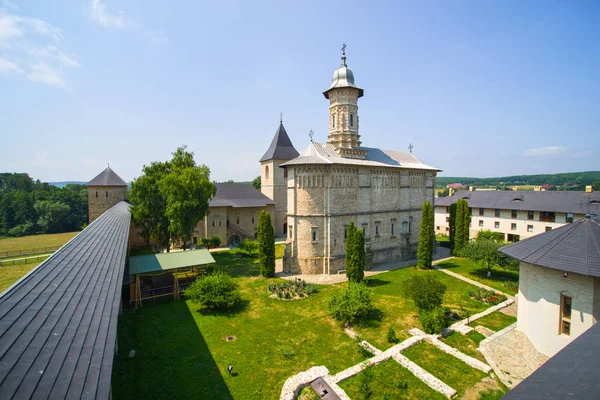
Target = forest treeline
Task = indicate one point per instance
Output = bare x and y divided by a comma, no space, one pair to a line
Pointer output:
28,207
571,178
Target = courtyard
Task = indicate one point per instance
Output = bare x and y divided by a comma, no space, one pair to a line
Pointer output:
183,353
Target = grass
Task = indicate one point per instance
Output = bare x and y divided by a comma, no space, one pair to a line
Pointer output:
279,249
308,394
466,344
389,377
445,367
504,280
27,243
11,273
402,314
495,321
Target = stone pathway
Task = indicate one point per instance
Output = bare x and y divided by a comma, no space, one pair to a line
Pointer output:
487,332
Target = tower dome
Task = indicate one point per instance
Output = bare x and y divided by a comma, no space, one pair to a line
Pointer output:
343,77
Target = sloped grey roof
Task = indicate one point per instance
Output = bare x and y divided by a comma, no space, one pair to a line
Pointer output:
574,248
324,153
58,324
238,195
343,77
567,202
108,177
281,147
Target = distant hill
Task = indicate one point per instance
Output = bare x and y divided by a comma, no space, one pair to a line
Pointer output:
65,183
571,178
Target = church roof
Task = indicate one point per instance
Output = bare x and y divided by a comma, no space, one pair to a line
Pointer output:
324,153
574,247
281,147
108,177
238,195
343,77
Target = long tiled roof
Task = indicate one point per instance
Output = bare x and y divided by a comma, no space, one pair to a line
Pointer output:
574,248
238,195
566,202
108,177
58,324
281,147
324,153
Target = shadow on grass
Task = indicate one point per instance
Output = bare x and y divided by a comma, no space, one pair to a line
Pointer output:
172,359
372,320
239,307
374,282
498,275
236,263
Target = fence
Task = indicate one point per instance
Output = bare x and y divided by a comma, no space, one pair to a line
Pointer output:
28,252
22,261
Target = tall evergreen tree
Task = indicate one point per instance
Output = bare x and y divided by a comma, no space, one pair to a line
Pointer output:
355,254
266,245
425,250
452,224
461,233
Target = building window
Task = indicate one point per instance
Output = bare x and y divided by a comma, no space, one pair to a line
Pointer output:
376,230
447,229
405,227
497,224
107,195
548,228
530,215
238,220
513,214
333,119
437,228
481,212
267,172
547,216
285,172
345,233
565,315
213,224
219,223
497,213
513,227
314,234
393,232
480,222
447,219
569,218
447,209
529,228
96,193
290,230
351,120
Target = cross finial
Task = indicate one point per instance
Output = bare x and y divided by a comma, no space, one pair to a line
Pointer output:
311,134
281,117
410,147
109,164
344,49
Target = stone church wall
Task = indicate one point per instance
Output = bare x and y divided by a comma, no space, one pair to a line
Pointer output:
101,198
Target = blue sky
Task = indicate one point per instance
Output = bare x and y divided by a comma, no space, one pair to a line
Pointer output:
480,88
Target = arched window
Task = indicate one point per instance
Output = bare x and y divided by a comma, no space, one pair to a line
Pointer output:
238,220
333,119
213,224
285,172
267,172
96,193
252,220
107,195
351,120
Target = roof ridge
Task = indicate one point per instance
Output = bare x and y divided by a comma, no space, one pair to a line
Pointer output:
559,239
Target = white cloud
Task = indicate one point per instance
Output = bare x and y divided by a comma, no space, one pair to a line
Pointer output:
30,46
104,18
545,151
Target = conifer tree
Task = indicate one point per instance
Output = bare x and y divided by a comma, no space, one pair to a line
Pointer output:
425,250
461,233
452,224
355,254
266,245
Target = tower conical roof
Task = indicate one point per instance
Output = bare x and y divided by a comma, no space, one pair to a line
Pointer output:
281,147
108,177
343,77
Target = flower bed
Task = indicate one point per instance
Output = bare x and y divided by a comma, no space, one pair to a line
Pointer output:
290,290
487,296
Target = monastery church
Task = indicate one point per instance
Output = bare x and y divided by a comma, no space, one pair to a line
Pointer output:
314,195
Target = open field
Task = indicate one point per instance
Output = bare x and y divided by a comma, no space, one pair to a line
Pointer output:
183,353
506,281
27,243
11,273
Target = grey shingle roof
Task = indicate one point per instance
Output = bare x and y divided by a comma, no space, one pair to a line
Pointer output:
567,202
574,248
108,177
281,147
58,324
324,153
238,195
571,374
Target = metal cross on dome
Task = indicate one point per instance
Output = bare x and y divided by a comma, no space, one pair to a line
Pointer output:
344,48
410,147
311,134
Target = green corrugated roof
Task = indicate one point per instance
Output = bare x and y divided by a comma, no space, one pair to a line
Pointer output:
166,261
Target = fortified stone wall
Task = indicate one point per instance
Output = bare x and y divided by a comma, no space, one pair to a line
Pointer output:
226,222
274,186
101,198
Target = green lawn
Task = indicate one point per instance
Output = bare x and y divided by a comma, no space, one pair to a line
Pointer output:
495,321
402,314
466,344
11,273
504,280
445,367
26,243
391,378
279,249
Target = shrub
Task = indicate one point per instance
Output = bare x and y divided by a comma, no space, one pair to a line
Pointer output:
433,321
292,289
402,384
425,290
217,290
215,240
391,336
249,246
205,242
351,303
486,234
487,296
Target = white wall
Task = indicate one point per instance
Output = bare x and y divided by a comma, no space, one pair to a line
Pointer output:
539,306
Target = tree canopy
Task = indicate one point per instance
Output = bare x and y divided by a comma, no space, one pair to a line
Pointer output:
485,252
461,226
171,197
256,182
426,237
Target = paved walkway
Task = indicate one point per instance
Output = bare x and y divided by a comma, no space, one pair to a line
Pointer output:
324,279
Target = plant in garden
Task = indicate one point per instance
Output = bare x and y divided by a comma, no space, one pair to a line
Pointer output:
266,245
215,240
366,377
355,254
452,224
487,296
486,253
462,224
248,246
205,242
486,234
425,290
391,336
351,303
292,289
218,290
433,321
425,250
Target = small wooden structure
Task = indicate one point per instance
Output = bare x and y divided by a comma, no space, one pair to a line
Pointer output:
184,266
